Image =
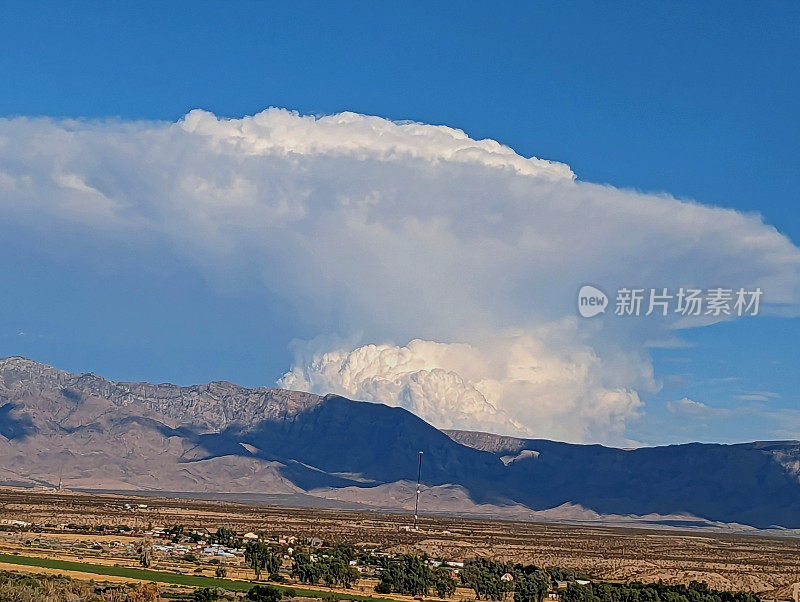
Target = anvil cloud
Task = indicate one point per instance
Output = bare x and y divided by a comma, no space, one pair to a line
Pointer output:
439,271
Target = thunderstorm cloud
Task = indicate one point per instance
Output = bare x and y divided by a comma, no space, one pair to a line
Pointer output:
440,272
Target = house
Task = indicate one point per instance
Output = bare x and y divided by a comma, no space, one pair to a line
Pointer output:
250,536
16,523
217,550
508,577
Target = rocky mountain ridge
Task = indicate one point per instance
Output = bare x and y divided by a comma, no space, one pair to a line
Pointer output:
216,405
221,438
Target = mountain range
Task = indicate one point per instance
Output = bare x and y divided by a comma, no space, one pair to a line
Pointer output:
220,439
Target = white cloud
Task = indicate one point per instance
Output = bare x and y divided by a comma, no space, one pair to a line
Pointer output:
418,377
759,396
362,137
694,408
518,384
384,232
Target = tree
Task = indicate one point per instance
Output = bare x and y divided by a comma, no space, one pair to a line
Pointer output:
175,533
578,593
304,570
225,536
337,571
636,591
264,593
406,575
221,572
532,587
145,551
205,594
331,570
608,593
443,582
148,592
484,576
345,551
260,558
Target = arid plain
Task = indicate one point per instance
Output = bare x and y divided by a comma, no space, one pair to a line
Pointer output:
767,565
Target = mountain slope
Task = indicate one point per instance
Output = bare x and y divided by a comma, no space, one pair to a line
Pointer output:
751,483
224,438
137,435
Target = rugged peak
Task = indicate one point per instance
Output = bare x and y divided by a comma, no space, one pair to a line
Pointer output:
23,373
18,362
215,405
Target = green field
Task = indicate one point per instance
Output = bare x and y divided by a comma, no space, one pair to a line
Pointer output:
170,578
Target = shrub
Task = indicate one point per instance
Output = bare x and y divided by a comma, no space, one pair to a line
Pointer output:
264,593
205,594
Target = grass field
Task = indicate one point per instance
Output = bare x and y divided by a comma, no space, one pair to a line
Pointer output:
170,578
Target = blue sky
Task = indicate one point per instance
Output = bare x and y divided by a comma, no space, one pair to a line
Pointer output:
697,100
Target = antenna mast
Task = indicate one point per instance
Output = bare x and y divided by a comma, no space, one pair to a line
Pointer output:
416,503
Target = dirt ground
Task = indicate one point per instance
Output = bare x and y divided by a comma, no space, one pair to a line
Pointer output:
765,565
